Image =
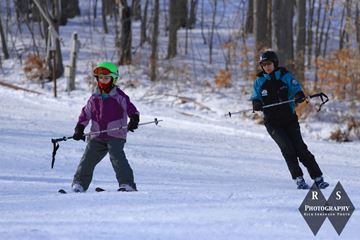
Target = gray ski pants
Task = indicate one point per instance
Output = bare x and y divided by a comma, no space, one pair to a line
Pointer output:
95,151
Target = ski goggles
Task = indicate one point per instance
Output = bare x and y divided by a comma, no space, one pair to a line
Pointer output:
101,71
266,62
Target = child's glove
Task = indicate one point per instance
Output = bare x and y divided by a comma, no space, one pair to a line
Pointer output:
257,105
133,123
79,132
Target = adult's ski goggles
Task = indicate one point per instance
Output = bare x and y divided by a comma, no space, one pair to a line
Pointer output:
266,62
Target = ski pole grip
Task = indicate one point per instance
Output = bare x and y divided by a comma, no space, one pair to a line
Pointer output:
322,96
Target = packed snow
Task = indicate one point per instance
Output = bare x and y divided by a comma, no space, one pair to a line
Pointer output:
197,178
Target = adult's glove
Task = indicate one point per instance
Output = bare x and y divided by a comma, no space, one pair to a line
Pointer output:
299,97
79,133
133,123
257,105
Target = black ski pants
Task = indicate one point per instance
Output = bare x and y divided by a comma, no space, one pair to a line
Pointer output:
288,138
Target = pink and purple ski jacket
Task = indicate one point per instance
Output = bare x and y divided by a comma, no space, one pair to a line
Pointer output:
107,113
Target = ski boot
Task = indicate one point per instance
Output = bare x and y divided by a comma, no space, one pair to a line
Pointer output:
77,188
320,183
126,187
301,184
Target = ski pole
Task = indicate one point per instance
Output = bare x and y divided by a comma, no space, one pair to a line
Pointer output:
119,128
238,112
323,97
55,141
266,106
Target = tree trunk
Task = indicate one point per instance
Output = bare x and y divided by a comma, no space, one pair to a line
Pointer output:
357,25
192,15
136,9
309,42
3,40
212,31
59,62
269,24
261,32
125,38
344,34
328,27
154,42
182,13
300,40
317,47
202,22
283,31
69,9
143,24
249,25
103,16
173,27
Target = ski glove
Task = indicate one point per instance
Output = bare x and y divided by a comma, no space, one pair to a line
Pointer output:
133,123
79,132
299,97
257,105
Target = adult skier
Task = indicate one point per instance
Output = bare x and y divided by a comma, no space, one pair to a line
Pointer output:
108,108
275,84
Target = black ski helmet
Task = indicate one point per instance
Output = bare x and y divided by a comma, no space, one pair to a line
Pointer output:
269,55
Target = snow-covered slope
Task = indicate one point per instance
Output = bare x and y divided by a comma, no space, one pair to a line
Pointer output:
197,178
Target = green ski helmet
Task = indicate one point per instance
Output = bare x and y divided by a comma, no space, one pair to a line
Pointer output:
107,68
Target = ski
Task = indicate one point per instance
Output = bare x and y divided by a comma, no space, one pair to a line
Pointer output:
62,191
99,189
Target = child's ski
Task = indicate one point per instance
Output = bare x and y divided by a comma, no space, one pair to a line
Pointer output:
99,189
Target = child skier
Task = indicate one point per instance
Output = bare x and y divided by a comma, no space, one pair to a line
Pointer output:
275,84
108,108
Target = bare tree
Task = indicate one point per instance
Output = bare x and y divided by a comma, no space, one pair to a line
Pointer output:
177,19
269,24
357,25
328,27
317,37
249,25
144,24
182,13
136,9
69,9
202,21
212,30
3,40
104,7
192,15
300,39
309,41
261,30
124,42
154,42
283,31
345,31
173,27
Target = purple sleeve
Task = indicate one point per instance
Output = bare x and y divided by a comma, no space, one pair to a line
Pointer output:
131,109
85,114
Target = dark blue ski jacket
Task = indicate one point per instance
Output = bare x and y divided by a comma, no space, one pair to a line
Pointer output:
276,87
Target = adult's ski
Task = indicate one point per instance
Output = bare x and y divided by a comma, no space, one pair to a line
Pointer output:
62,191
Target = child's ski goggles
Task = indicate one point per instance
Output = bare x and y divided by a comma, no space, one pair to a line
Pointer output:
101,71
